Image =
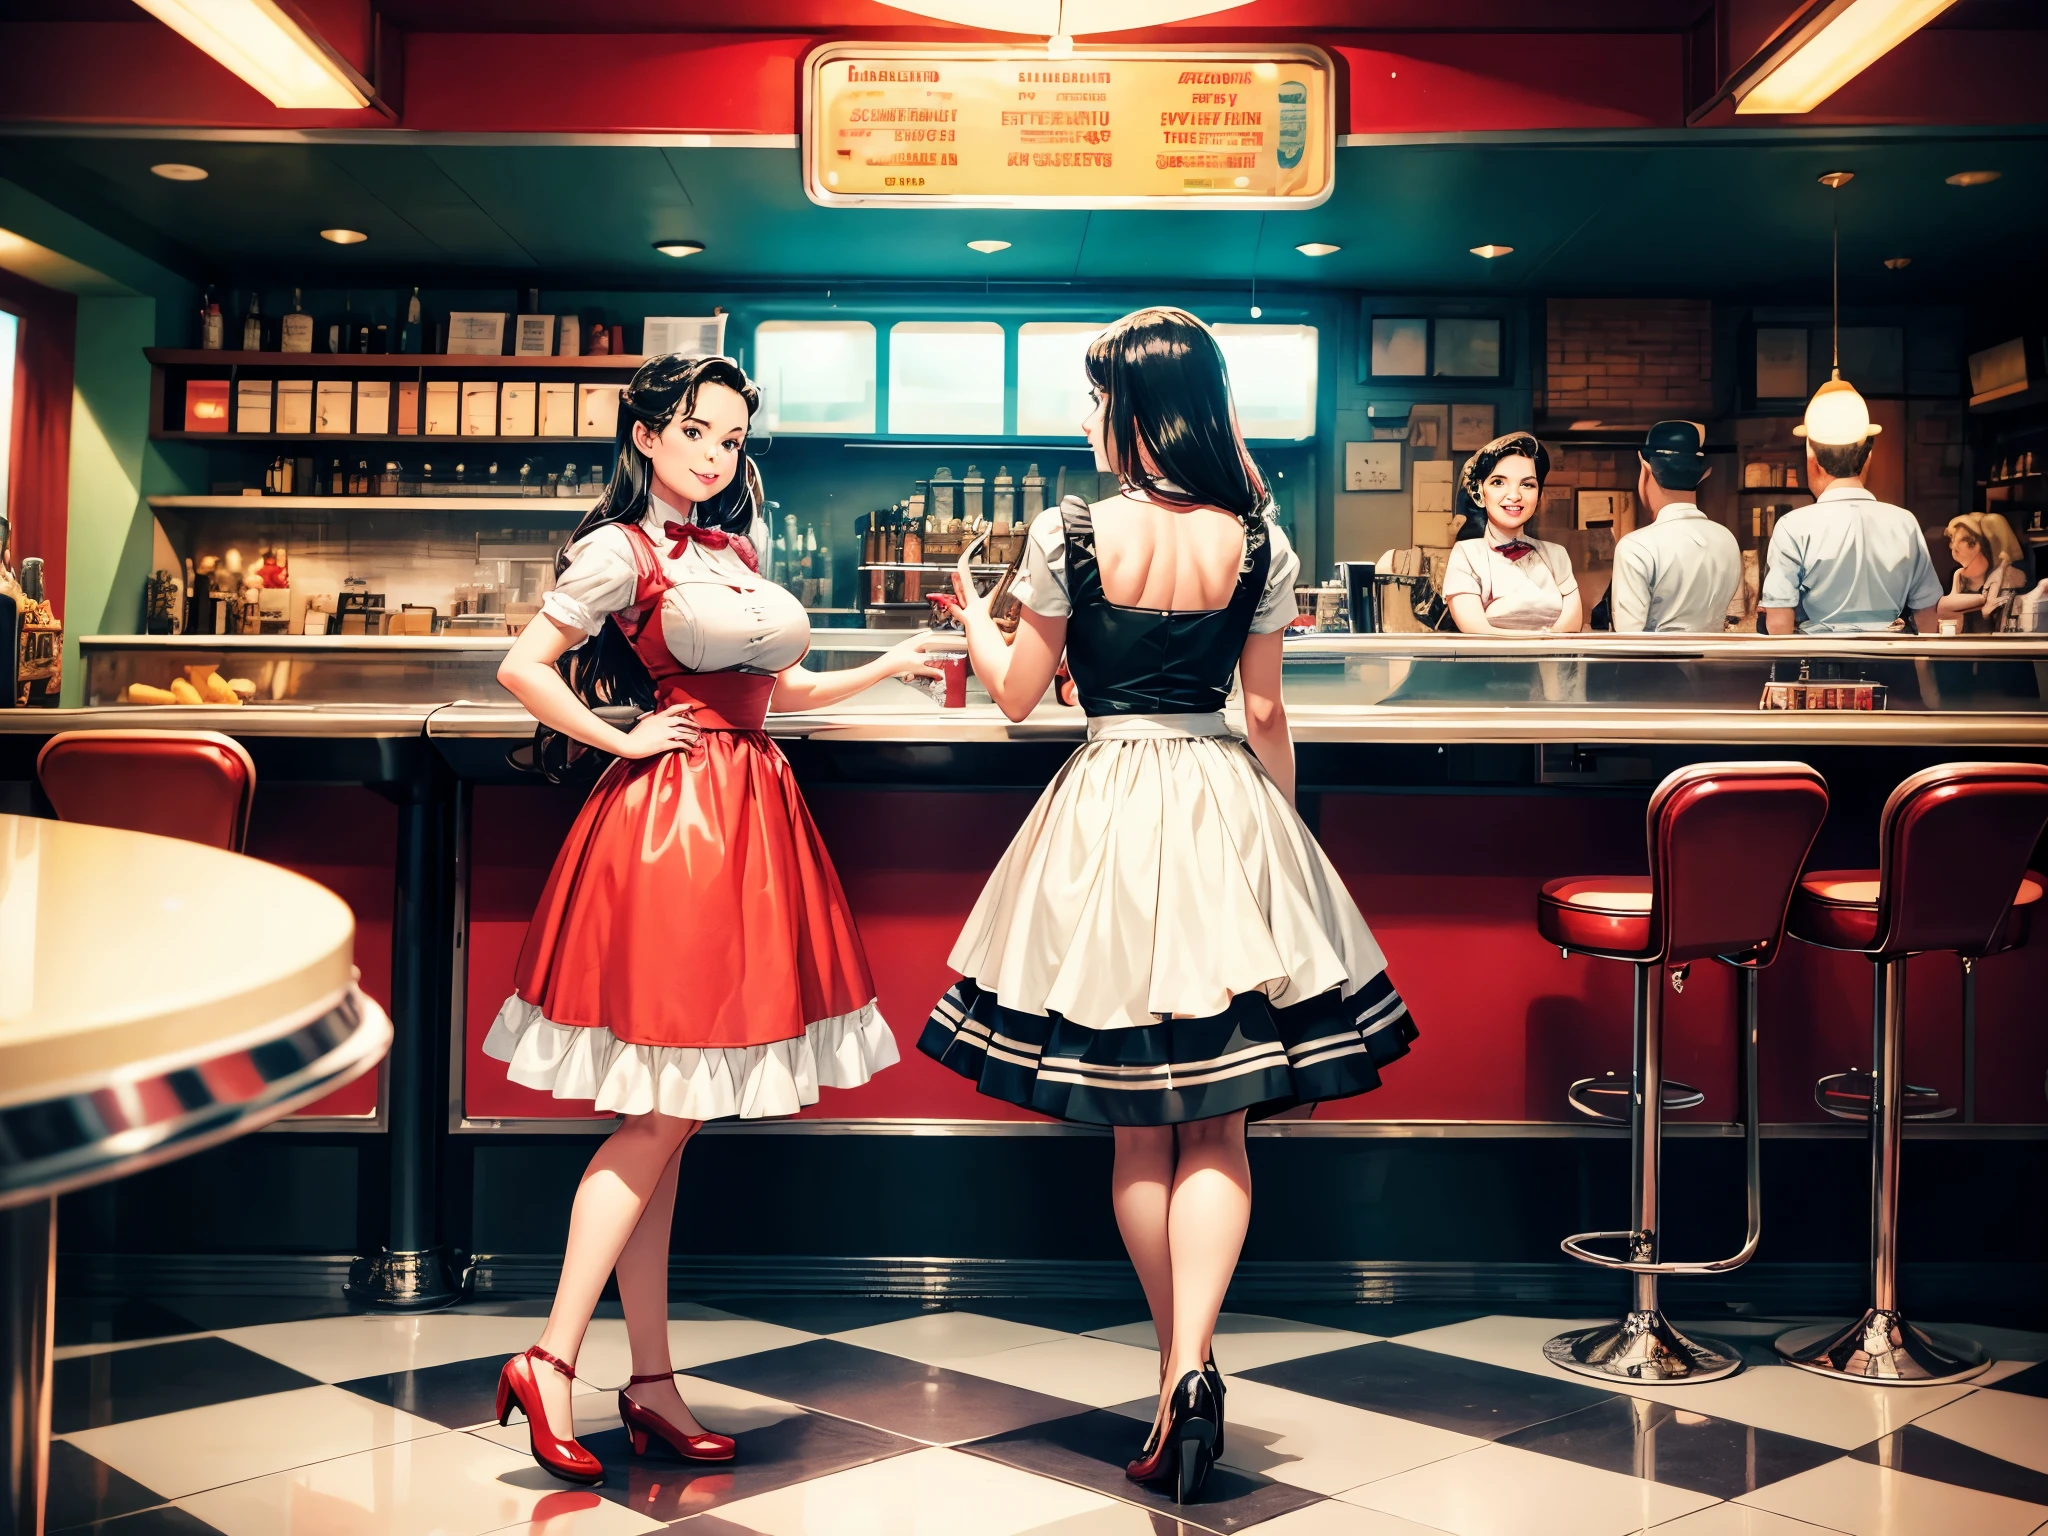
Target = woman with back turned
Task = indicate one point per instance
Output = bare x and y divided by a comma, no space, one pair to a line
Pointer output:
1164,949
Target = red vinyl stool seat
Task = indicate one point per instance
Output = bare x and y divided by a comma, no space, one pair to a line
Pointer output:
1606,915
197,785
1953,844
1836,908
1726,842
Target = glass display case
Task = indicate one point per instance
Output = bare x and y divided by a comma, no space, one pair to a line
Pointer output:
1731,673
300,671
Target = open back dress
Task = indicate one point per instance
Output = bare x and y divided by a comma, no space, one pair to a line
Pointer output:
1164,940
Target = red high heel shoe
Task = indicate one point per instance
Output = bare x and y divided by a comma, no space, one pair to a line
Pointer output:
563,1458
644,1424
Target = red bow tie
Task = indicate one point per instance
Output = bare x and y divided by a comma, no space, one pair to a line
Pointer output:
1514,549
682,535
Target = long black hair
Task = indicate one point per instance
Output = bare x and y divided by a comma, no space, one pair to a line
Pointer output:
605,669
1161,375
1470,503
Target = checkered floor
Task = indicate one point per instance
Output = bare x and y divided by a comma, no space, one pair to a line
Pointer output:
871,1418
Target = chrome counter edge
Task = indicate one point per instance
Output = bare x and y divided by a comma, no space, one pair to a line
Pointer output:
1618,726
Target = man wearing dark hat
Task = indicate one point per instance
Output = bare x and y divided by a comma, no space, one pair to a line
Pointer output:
1678,572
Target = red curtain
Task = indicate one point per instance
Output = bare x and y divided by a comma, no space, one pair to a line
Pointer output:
39,475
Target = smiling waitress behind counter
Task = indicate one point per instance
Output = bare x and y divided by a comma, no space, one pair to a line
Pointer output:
1497,581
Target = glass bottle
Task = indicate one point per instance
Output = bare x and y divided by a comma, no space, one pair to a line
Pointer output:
337,480
409,333
295,331
570,483
210,325
971,490
1005,500
1034,493
252,326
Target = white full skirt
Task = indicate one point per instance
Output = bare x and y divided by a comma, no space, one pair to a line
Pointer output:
1161,874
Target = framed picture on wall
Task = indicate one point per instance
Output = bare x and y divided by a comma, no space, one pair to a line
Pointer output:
1400,347
1604,508
1471,425
1373,466
1781,362
1467,348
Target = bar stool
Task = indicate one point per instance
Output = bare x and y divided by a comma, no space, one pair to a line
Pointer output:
1726,843
2011,934
197,785
1953,846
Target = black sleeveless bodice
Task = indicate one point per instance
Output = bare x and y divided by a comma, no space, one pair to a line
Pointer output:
1148,661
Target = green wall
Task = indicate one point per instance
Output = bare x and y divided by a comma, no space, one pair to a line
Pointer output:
125,302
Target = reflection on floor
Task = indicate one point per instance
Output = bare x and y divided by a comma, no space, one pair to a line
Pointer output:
870,1418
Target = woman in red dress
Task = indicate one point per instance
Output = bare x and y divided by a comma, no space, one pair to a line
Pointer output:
692,956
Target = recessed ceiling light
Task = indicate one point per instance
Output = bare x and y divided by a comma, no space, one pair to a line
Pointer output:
1972,178
1318,248
680,248
988,247
1585,426
344,236
1898,263
1491,251
170,170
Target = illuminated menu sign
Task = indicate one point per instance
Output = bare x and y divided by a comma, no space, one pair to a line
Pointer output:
1104,128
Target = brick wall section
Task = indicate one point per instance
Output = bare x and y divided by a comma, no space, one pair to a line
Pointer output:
1629,359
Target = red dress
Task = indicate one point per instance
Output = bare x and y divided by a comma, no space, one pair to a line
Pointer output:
693,951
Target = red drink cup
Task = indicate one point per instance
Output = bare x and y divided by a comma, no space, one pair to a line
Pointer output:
954,665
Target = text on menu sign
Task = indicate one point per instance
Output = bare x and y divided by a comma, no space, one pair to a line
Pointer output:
1103,128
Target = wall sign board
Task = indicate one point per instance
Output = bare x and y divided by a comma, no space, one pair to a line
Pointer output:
938,126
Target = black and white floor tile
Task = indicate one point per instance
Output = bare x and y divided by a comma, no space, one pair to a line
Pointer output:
873,1418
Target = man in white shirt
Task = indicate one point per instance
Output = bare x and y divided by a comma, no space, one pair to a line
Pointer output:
1848,564
1678,572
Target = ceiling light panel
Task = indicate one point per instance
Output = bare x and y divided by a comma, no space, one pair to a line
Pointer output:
344,236
265,47
988,247
171,170
1847,39
680,248
1318,248
1491,251
1972,178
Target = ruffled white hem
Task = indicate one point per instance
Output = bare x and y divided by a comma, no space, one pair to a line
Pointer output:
751,1082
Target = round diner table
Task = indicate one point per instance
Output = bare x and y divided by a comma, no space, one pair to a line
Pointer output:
156,997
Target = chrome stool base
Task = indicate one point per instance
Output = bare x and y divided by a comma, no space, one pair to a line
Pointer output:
1883,1349
1642,1347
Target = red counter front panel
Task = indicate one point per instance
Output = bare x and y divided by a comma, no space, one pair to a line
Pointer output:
346,838
1448,883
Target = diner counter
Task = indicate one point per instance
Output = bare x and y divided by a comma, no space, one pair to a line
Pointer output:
1447,778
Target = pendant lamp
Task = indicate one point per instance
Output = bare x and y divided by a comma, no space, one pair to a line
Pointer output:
1837,415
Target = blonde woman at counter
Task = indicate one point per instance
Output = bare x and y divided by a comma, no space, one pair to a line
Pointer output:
1497,581
1989,573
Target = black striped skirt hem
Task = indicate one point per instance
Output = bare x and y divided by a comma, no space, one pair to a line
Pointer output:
1252,1056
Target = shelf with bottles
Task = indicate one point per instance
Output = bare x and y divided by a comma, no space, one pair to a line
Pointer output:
501,501
452,362
335,472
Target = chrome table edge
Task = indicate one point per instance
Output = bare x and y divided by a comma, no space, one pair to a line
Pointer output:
149,1113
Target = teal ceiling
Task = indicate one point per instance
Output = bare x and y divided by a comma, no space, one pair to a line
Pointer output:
1700,214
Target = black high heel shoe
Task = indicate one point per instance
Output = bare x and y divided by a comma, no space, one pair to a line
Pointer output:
1215,1379
1186,1448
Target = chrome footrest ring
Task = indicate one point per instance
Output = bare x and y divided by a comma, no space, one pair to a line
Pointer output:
1611,1096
